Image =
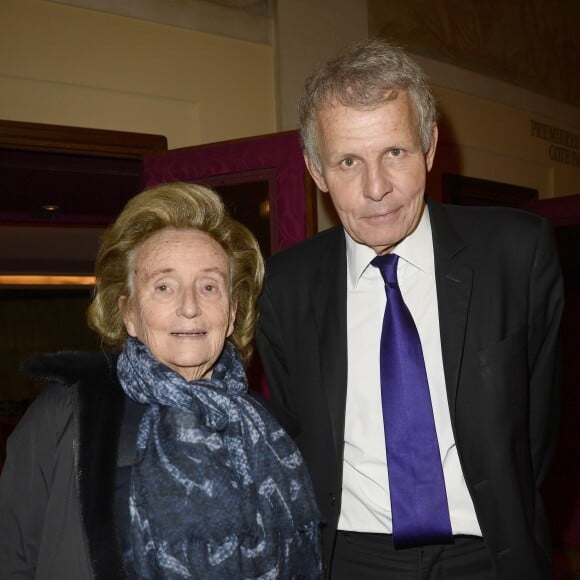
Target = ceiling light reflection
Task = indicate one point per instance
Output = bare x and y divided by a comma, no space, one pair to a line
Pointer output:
45,280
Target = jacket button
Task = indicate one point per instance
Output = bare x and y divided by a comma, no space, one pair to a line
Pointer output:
332,499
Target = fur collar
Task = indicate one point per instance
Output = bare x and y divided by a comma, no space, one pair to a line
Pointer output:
98,403
68,367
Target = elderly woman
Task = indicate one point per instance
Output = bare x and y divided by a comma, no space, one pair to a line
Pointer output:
155,462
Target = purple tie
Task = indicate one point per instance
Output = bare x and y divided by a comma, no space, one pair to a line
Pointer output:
418,497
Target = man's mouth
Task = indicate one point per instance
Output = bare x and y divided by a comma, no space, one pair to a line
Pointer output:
384,215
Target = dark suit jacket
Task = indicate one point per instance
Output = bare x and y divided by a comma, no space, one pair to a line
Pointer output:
500,300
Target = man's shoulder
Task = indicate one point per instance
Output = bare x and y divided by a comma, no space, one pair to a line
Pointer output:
473,213
309,252
475,221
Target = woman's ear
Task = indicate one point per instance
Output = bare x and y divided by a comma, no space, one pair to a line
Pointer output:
233,310
126,314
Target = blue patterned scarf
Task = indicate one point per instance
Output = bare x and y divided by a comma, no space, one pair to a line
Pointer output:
219,490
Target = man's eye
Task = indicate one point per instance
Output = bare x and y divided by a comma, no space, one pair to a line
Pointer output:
349,162
210,288
162,288
396,152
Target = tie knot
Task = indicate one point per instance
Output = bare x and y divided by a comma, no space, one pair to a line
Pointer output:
387,264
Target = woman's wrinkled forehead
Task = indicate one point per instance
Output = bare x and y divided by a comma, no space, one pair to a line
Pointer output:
165,248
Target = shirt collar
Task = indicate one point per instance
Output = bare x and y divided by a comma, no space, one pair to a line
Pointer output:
416,249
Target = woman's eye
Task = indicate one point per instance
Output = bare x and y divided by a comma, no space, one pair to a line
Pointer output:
162,288
213,289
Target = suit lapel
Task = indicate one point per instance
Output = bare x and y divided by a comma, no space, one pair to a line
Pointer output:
454,279
328,293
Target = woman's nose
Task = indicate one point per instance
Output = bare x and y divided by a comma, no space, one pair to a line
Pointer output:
189,306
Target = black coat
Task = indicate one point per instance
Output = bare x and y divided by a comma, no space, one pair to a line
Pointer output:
57,485
500,299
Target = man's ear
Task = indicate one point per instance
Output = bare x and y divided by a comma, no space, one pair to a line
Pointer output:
126,314
430,155
316,175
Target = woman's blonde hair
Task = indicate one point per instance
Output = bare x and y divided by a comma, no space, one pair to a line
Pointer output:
182,206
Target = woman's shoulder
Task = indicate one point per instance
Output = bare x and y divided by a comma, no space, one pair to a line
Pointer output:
62,372
68,375
71,367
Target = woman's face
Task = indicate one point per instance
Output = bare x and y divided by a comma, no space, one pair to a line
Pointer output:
180,306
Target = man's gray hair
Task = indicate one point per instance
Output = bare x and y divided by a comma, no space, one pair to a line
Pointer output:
366,76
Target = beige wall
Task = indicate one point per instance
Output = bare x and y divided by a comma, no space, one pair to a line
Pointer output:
73,66
79,66
487,132
308,33
486,125
488,140
485,139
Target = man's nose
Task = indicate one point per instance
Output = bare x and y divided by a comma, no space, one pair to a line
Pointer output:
377,181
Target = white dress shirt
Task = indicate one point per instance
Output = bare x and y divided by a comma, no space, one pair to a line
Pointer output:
366,503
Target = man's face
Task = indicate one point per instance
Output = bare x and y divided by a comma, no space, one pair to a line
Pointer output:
373,166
